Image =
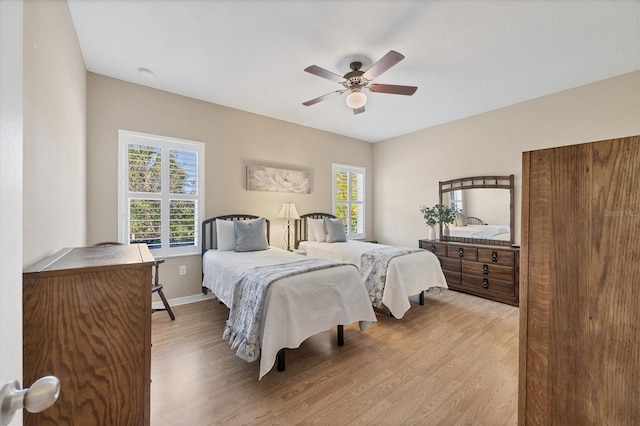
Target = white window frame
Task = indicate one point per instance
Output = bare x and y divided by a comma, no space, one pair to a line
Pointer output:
336,167
127,137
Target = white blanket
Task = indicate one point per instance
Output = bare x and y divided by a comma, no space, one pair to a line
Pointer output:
490,232
296,307
407,275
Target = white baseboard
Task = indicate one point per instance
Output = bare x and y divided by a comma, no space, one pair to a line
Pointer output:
182,300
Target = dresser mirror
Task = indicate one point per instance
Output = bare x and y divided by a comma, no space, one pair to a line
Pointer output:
485,210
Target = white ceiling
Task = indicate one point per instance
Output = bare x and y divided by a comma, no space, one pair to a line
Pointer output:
466,57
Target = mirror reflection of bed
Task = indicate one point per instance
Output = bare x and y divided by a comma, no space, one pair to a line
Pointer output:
485,206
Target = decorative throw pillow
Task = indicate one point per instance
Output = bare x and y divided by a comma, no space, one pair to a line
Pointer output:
225,235
461,220
311,236
335,230
251,235
318,229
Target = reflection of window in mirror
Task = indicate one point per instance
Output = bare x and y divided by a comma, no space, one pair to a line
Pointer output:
455,200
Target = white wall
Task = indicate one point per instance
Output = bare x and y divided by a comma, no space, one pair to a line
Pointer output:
407,169
11,141
233,139
54,132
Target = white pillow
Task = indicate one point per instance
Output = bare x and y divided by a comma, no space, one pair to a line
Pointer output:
226,235
311,236
318,229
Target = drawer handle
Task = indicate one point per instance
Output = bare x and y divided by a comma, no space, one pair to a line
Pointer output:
494,256
433,248
485,269
461,252
485,282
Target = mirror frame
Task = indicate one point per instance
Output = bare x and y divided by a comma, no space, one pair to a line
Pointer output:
476,182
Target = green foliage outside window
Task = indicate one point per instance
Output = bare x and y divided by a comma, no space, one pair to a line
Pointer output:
145,214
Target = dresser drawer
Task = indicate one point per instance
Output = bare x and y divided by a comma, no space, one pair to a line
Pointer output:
488,270
449,264
453,278
462,252
484,284
438,249
498,257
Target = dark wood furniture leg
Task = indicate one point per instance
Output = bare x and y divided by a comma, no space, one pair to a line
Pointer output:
422,297
280,358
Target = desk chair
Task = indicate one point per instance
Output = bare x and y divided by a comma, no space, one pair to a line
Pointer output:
156,287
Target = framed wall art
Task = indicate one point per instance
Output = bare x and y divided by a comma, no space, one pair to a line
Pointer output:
261,178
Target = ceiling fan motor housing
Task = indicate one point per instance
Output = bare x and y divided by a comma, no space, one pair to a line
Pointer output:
354,77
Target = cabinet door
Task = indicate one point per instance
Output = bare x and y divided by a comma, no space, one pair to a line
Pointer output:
579,342
91,329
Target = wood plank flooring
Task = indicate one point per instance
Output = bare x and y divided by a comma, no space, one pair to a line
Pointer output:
452,361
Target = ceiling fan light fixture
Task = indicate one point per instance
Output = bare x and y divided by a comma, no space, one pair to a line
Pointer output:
356,99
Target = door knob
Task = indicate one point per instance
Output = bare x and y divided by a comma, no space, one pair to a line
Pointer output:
40,396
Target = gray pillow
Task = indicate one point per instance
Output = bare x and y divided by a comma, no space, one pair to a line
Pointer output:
251,235
335,230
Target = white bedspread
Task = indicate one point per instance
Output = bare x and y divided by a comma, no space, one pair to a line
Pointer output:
407,275
491,232
297,307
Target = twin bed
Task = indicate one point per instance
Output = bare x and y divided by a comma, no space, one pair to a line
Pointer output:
411,272
303,295
294,307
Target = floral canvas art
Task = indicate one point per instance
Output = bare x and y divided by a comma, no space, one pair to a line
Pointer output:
261,178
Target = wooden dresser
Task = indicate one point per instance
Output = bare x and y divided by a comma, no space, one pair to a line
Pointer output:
87,320
486,271
580,309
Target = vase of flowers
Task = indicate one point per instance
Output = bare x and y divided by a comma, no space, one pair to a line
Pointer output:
438,214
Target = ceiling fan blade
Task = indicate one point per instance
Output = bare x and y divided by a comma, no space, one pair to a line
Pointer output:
358,110
393,89
321,72
386,62
323,97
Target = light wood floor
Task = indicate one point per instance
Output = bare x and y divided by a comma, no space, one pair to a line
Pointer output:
452,361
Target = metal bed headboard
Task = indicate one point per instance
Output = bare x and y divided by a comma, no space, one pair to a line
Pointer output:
301,231
208,228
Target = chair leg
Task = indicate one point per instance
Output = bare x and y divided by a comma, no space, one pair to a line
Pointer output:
166,305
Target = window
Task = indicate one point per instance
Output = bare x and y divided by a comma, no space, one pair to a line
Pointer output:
161,187
348,198
455,200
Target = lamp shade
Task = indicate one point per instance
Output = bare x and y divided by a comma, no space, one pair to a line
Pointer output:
288,212
356,99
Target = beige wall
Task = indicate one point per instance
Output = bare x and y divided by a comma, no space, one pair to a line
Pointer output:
407,169
232,140
54,200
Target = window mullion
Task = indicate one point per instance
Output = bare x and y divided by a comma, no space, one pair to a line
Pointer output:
165,213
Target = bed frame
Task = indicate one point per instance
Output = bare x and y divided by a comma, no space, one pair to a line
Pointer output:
301,231
208,242
209,226
301,234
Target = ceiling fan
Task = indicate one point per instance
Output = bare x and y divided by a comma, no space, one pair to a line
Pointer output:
356,80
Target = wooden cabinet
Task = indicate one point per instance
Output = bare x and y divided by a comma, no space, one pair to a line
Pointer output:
486,271
580,307
87,320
